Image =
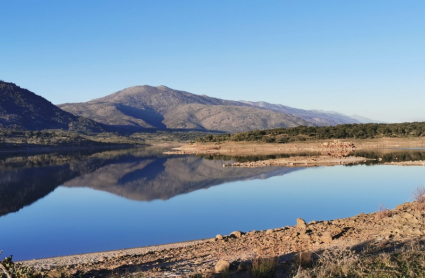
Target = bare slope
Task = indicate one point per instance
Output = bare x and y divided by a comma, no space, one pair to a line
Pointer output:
22,109
161,107
321,118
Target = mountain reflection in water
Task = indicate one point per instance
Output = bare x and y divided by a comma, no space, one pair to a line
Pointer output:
143,174
70,208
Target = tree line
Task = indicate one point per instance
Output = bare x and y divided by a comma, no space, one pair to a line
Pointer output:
311,133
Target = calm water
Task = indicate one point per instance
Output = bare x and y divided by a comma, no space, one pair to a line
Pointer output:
70,203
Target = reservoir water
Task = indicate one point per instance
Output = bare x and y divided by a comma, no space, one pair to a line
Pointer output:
77,202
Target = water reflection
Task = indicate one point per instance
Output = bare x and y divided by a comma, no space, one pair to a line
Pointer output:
66,216
136,174
375,156
391,155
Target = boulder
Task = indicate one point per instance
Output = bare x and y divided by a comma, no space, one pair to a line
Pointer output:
219,236
301,223
326,237
222,266
237,234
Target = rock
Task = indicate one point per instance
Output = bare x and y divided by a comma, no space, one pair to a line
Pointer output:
55,274
269,231
402,206
301,223
222,266
237,234
305,236
407,216
219,236
326,237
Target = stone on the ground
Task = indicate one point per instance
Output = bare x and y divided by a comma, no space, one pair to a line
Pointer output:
301,223
219,236
326,237
222,266
237,234
269,231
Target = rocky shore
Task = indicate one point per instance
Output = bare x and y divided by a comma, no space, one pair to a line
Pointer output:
235,252
321,146
300,161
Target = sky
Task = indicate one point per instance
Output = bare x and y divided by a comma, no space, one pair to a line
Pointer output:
355,57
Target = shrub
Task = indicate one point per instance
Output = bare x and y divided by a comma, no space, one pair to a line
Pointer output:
419,197
264,267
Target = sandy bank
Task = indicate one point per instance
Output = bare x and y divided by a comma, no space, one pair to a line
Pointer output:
253,148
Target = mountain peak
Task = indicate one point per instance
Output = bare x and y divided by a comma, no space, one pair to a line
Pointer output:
162,87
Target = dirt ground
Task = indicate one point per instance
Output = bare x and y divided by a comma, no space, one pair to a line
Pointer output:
251,148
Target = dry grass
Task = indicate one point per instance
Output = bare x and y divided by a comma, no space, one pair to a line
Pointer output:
406,260
264,267
383,212
419,197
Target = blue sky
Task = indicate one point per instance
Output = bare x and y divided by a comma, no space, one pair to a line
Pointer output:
355,57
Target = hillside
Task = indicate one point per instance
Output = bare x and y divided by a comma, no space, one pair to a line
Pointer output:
140,107
21,109
317,117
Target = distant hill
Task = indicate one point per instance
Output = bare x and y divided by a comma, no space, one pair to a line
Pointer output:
23,110
317,117
365,120
142,107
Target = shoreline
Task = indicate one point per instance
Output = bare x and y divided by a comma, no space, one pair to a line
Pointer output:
47,149
300,161
254,148
405,222
181,259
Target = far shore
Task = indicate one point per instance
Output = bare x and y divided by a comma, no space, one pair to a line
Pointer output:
259,148
47,149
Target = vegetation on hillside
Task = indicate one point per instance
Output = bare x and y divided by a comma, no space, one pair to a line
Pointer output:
20,139
21,109
311,133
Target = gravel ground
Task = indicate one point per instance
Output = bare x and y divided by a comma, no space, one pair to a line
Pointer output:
49,263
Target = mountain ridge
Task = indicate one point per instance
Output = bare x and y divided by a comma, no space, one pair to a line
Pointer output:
147,107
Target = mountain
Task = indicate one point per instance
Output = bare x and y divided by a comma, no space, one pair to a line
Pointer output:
145,107
141,107
317,117
22,109
365,120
